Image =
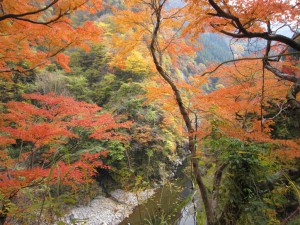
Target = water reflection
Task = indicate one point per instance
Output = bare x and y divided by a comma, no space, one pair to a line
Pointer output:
188,215
175,203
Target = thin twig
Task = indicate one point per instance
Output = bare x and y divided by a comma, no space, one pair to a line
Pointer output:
248,58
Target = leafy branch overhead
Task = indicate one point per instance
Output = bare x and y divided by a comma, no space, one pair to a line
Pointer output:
135,87
27,26
247,88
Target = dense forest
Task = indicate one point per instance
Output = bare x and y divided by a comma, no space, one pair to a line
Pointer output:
98,96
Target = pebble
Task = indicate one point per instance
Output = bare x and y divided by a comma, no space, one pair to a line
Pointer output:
107,211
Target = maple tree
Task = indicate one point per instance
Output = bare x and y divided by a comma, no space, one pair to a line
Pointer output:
32,136
226,118
35,32
247,111
159,29
120,91
239,109
248,20
279,53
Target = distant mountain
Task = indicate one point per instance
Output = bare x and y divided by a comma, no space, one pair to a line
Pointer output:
215,48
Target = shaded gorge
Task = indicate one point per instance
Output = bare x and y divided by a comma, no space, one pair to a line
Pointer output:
175,202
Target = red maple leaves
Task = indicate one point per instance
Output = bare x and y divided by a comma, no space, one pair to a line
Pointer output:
32,134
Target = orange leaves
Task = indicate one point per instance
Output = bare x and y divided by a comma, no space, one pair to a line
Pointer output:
43,129
134,26
63,60
243,83
54,118
6,140
5,160
61,107
14,180
253,14
104,127
128,34
40,134
34,32
243,109
290,149
80,172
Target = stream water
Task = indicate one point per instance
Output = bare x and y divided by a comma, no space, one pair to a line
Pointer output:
174,203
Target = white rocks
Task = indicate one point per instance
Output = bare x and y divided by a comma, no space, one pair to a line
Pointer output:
106,211
130,198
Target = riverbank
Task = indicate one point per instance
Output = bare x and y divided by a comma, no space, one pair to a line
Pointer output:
169,205
107,211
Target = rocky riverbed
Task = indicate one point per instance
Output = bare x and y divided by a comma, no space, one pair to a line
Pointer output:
107,211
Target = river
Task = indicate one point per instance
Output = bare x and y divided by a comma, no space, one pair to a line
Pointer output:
173,203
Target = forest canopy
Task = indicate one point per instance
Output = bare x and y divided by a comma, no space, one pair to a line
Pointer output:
117,94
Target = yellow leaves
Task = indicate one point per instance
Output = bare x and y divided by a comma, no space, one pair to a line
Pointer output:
137,63
132,29
124,41
237,98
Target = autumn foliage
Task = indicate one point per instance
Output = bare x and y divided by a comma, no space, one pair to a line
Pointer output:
37,32
33,133
228,114
237,105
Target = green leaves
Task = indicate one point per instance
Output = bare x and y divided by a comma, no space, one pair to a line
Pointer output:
116,151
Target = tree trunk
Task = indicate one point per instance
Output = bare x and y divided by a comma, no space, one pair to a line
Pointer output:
2,220
3,216
211,220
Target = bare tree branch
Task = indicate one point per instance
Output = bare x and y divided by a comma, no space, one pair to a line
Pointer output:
248,58
282,75
18,16
23,16
39,64
157,11
244,33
